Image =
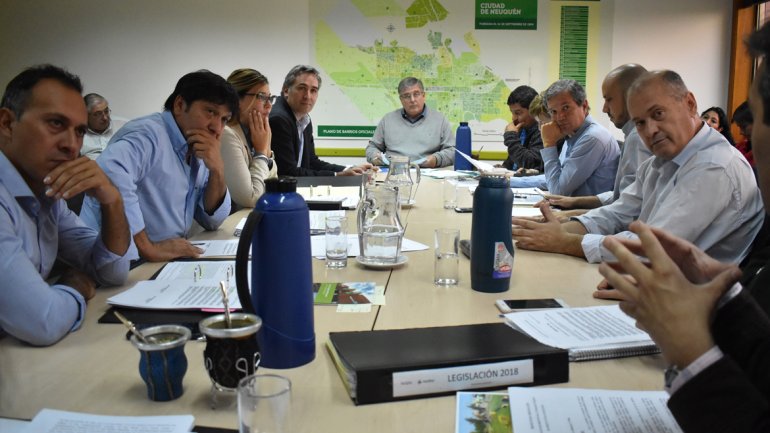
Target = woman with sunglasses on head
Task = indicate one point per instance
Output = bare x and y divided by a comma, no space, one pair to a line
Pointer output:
246,149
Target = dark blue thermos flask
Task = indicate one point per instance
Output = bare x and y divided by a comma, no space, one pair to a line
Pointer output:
278,234
463,144
491,244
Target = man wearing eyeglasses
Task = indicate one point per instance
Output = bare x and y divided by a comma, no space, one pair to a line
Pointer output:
292,129
101,126
416,131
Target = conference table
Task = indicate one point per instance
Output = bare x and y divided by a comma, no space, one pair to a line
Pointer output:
95,369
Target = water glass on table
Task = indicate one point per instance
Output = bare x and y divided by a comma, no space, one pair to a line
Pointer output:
447,258
264,404
449,187
336,241
464,197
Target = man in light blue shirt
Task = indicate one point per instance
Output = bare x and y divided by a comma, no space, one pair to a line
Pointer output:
42,122
696,185
169,168
589,158
634,151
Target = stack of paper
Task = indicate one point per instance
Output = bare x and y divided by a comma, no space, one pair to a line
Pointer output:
184,285
588,333
54,421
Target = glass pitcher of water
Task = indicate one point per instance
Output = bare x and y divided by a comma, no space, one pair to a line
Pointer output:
379,226
400,175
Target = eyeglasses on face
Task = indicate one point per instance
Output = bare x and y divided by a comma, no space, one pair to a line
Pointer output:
262,97
413,95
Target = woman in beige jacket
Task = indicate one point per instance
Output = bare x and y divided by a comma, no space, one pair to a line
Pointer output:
246,139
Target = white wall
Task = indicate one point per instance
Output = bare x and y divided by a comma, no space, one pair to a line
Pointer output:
134,51
692,37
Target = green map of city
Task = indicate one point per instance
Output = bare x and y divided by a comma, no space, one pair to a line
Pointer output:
458,85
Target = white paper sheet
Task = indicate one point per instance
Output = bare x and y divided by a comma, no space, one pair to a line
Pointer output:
526,196
348,195
482,166
437,173
569,328
542,410
318,219
53,421
218,248
176,295
318,246
184,285
526,211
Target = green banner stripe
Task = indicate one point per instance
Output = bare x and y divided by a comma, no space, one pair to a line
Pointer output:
356,152
573,52
354,131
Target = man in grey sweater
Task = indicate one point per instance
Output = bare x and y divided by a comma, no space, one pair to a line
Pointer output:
416,131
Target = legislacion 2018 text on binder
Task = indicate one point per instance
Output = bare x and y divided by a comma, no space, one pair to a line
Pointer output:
379,366
588,333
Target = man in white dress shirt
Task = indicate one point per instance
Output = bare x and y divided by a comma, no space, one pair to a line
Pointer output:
101,125
697,186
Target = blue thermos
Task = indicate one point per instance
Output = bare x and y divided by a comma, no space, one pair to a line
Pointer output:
278,234
463,144
491,244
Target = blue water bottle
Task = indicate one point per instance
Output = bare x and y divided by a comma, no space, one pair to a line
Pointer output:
278,234
463,144
491,244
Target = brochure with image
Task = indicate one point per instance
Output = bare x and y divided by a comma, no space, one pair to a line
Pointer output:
483,412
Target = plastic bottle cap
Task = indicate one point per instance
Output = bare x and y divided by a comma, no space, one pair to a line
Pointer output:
281,184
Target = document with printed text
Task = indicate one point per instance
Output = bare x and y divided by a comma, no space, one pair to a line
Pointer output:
54,421
184,285
542,410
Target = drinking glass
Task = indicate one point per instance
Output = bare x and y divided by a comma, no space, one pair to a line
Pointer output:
336,241
264,404
446,258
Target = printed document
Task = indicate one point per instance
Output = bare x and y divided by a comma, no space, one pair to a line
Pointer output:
53,421
541,410
569,328
184,285
217,248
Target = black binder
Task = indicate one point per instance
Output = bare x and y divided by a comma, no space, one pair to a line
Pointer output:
366,360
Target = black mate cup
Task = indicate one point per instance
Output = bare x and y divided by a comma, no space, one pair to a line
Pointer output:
231,353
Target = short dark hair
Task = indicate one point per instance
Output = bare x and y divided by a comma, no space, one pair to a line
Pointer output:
298,70
759,46
742,115
18,90
522,95
206,86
